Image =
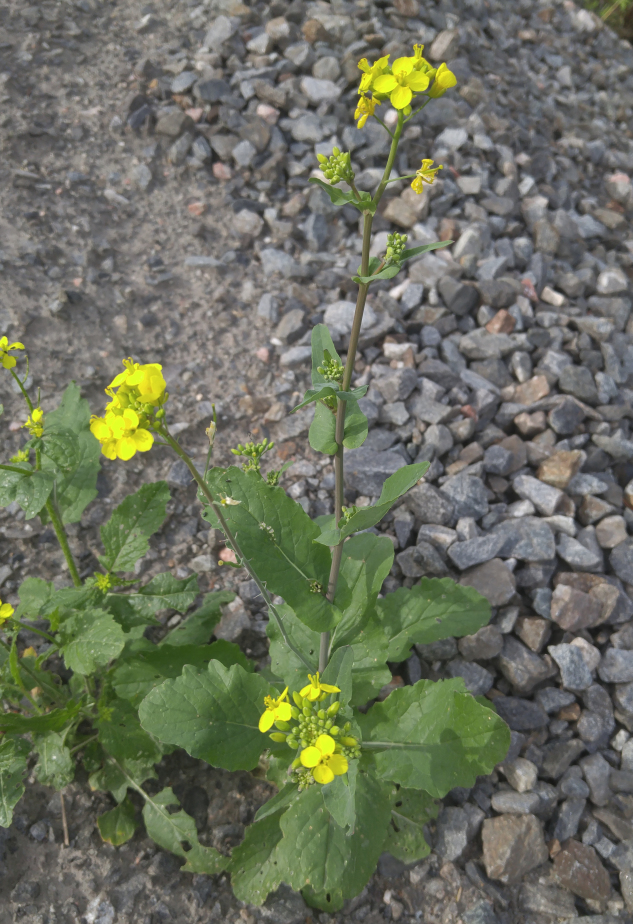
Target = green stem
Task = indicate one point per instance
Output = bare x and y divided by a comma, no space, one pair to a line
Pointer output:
23,625
14,468
22,389
415,111
15,673
82,744
234,543
62,538
380,121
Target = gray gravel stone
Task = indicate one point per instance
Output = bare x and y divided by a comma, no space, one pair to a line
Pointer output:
527,539
575,675
468,494
366,471
621,560
596,772
475,551
521,667
568,819
492,580
455,828
616,666
520,714
515,803
477,679
566,417
430,505
576,554
545,498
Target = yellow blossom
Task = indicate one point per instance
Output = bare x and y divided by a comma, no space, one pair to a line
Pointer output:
402,83
323,761
371,71
6,612
275,709
444,80
22,455
5,347
425,174
144,382
35,422
317,690
103,582
121,435
365,108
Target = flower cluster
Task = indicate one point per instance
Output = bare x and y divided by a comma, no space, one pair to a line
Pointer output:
331,369
425,174
138,394
8,362
396,245
6,612
400,82
253,453
35,422
338,167
325,748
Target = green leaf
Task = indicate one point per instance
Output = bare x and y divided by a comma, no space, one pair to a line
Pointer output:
117,826
177,833
212,714
321,435
60,446
370,672
76,479
125,536
13,755
435,608
112,776
321,343
329,390
411,809
366,562
198,628
133,679
283,661
254,868
55,766
30,490
163,592
55,720
277,537
339,797
34,593
433,736
338,197
394,487
339,673
121,735
90,639
387,273
285,797
424,248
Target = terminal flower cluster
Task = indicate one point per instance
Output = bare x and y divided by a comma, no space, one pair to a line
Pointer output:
6,612
138,394
7,361
325,747
401,81
35,422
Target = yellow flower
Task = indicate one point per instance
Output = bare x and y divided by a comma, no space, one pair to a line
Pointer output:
425,174
35,423
321,759
444,80
365,108
8,361
402,83
121,435
275,709
22,455
317,690
144,382
6,612
103,582
371,71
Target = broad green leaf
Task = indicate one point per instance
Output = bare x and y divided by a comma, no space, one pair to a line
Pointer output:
55,720
177,833
212,714
254,869
125,536
339,798
321,435
163,592
339,673
424,248
329,390
366,562
277,537
284,662
121,735
60,446
90,639
339,197
198,628
133,679
13,756
30,491
112,778
370,672
435,608
34,593
411,810
394,487
76,480
55,766
387,273
433,736
117,826
285,797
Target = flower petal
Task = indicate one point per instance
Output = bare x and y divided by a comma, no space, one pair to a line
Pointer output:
266,720
310,757
144,440
417,81
305,690
337,764
283,712
125,448
403,65
401,97
8,361
322,774
385,83
329,688
325,744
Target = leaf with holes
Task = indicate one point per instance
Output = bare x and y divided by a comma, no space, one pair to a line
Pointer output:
254,869
126,535
411,810
117,826
177,832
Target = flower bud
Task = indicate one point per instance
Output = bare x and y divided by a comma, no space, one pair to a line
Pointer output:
322,159
307,711
349,742
294,712
281,725
329,723
292,743
321,713
304,742
278,737
347,727
334,708
296,763
334,730
298,699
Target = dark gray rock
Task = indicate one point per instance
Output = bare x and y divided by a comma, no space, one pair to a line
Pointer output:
545,498
621,560
579,382
459,297
559,755
597,772
492,580
498,461
475,551
421,560
456,826
477,679
367,471
397,385
568,818
566,417
430,505
575,675
616,666
520,714
468,494
526,538
576,554
486,643
515,803
521,667
552,699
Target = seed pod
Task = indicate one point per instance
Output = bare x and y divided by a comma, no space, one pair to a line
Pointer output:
281,725
278,737
334,708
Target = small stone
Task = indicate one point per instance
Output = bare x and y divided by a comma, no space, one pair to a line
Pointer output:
445,46
520,714
596,772
569,817
430,505
546,902
576,554
521,667
492,580
498,461
512,846
340,315
579,382
553,699
521,774
566,417
366,471
502,323
475,551
244,153
526,538
320,91
456,826
515,803
545,498
575,675
421,560
477,679
173,122
398,385
574,610
559,756
560,468
459,297
578,869
248,223
533,390
234,621
445,649
616,666
468,494
486,643
611,532
534,632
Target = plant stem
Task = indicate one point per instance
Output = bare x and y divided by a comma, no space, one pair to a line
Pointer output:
78,747
23,389
64,821
14,468
337,551
231,538
62,538
23,625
